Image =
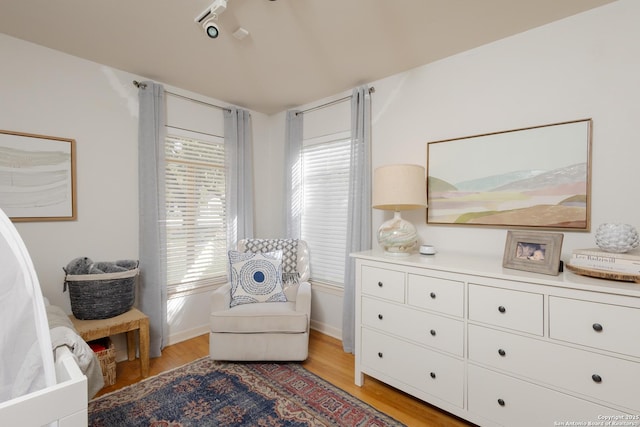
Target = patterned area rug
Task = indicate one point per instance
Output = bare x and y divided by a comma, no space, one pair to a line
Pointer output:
207,393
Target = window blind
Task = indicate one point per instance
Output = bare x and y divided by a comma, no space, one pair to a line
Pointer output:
196,210
325,184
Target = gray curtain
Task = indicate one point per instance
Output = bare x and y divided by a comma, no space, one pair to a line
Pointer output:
152,292
293,174
359,221
238,144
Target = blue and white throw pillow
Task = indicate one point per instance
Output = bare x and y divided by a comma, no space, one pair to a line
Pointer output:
256,277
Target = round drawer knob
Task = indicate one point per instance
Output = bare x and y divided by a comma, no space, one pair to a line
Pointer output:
501,352
433,332
433,375
597,327
380,316
596,378
502,309
380,355
380,284
501,402
432,295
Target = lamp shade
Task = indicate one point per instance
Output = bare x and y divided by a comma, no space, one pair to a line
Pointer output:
399,187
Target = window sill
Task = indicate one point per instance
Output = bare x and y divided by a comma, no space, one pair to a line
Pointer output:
327,288
193,290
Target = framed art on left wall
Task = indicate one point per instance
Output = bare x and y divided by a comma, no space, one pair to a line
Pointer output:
37,177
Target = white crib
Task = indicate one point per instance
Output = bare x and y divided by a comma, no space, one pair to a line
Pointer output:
39,386
64,403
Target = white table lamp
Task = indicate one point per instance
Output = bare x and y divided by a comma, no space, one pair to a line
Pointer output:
397,188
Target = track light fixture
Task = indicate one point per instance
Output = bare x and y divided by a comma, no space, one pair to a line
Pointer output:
211,28
209,16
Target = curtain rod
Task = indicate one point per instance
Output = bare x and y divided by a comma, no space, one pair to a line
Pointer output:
144,86
318,107
330,103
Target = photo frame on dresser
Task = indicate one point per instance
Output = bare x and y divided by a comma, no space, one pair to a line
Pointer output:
534,252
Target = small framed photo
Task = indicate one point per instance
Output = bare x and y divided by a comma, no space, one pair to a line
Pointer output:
535,252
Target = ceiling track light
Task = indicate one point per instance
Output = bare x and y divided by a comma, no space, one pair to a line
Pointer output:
211,27
209,16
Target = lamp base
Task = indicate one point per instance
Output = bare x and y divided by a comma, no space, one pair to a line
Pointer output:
397,236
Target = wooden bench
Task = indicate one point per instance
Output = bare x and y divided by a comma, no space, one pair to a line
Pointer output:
127,322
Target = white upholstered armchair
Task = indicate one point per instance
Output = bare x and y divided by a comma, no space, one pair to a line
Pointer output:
276,330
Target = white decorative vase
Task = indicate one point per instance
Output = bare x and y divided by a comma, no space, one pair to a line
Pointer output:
617,237
397,236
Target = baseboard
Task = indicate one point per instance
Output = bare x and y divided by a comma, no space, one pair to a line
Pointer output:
188,334
326,329
121,342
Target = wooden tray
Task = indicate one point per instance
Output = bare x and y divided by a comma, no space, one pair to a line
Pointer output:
602,274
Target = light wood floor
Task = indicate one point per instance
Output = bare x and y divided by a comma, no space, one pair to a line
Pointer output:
326,359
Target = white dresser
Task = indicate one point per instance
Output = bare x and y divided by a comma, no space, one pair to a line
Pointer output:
499,346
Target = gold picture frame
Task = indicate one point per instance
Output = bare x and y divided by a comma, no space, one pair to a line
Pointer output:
38,179
530,178
534,252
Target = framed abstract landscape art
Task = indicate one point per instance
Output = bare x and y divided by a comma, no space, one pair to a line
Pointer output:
537,177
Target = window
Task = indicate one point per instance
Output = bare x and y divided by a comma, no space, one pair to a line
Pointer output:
195,201
325,188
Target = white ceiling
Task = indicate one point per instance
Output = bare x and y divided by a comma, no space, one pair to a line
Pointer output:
298,51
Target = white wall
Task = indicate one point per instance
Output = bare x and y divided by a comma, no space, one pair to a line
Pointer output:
268,165
583,66
586,66
47,92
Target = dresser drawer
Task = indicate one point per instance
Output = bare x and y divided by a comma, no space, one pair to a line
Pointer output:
608,379
382,283
439,332
521,311
441,295
604,326
429,371
512,402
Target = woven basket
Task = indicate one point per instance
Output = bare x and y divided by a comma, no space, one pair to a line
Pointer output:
107,358
101,296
